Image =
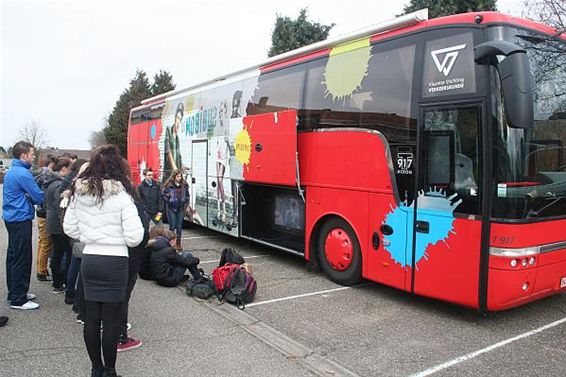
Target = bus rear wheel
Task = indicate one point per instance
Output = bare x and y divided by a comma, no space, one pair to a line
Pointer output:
339,253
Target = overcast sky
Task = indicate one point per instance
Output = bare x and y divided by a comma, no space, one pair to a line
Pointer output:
64,63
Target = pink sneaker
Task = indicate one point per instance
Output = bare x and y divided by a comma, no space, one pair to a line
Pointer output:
128,344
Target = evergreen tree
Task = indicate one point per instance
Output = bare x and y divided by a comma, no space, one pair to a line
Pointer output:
290,34
116,130
439,8
162,83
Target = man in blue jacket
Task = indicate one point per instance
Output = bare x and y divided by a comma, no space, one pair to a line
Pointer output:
20,194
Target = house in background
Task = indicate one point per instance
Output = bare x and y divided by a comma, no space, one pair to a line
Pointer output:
55,152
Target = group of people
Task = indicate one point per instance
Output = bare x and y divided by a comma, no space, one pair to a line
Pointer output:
94,226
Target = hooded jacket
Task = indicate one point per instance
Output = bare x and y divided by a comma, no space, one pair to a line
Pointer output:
40,179
107,227
20,193
164,259
52,187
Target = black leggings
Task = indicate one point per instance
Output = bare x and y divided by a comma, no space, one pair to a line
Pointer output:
109,314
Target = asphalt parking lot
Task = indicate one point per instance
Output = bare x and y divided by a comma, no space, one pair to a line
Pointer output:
372,330
300,324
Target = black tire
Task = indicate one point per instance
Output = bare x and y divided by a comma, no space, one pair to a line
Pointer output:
353,273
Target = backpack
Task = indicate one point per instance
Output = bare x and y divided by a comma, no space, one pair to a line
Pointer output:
239,288
219,275
202,288
230,255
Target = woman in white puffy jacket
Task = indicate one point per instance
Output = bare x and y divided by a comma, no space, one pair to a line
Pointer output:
102,214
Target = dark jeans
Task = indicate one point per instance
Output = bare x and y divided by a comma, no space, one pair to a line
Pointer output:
180,270
18,261
176,222
133,268
59,267
79,305
72,275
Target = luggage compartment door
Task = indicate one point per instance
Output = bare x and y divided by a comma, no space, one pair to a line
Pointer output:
266,146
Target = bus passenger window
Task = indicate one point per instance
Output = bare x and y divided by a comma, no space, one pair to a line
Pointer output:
278,90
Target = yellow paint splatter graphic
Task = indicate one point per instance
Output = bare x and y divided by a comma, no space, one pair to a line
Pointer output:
243,146
346,68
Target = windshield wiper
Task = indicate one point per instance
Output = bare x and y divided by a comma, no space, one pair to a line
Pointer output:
554,200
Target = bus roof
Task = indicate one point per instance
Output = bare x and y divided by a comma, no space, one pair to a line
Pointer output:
401,25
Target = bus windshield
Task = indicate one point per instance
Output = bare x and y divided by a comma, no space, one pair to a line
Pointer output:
530,164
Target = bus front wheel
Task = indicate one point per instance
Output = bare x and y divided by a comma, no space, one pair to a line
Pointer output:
339,253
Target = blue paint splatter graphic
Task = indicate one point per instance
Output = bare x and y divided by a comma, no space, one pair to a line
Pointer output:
153,131
434,208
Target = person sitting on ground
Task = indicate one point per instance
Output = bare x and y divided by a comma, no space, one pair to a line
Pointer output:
145,272
167,265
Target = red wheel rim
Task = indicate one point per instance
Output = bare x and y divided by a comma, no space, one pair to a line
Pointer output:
338,249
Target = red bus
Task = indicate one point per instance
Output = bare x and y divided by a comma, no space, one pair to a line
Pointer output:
427,155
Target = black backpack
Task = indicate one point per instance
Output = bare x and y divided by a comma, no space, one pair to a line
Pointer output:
240,288
202,288
230,255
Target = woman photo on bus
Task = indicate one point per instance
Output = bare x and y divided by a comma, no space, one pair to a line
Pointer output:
222,154
172,148
176,198
102,214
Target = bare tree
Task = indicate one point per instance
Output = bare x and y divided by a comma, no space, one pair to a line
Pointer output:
36,134
550,12
96,139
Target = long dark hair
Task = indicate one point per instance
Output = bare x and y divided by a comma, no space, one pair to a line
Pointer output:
106,163
171,180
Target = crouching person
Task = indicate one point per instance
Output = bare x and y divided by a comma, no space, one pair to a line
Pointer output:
168,266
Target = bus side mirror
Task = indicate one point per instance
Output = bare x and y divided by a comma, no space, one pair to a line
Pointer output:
514,72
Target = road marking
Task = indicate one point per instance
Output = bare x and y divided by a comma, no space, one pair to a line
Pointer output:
469,356
296,296
294,351
198,237
250,257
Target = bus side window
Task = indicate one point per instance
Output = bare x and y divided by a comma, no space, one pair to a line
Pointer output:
278,90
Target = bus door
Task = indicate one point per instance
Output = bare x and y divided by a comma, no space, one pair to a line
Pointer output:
199,196
143,142
153,135
445,256
136,143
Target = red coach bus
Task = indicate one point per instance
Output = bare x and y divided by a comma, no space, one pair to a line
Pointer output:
427,155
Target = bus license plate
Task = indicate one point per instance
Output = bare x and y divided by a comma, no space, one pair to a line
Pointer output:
563,282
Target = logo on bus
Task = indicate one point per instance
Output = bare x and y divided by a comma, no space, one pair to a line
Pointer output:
449,59
243,146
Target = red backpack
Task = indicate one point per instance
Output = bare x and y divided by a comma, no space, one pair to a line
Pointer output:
219,275
238,286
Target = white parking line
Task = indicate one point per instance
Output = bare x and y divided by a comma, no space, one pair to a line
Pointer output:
245,257
469,356
297,296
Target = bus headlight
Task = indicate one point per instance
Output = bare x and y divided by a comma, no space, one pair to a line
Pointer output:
514,253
